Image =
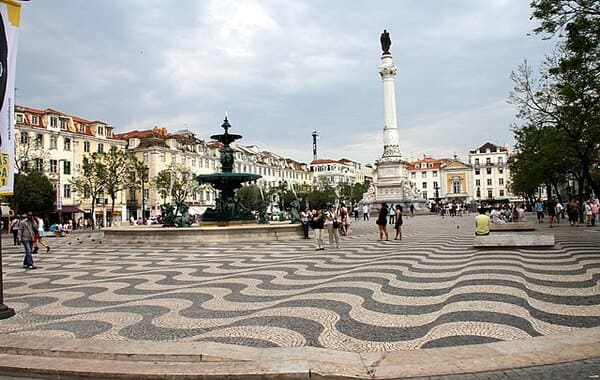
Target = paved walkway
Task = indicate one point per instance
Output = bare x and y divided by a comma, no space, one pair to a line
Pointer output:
430,290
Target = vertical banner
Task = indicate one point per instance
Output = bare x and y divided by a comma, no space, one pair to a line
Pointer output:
10,12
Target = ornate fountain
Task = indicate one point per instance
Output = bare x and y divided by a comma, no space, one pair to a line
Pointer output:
227,208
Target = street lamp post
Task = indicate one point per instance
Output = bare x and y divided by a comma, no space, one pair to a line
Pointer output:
436,187
144,179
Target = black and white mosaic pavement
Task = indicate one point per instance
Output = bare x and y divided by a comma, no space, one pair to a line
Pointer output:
431,289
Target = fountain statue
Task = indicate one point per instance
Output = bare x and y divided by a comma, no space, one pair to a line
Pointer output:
227,208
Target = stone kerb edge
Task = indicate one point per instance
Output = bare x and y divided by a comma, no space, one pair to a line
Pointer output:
293,362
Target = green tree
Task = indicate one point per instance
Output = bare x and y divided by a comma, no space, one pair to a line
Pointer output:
178,181
33,192
92,182
566,96
249,196
119,164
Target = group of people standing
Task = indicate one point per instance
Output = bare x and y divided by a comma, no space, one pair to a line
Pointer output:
336,222
395,217
556,210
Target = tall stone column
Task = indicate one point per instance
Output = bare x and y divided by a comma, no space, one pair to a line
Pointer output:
387,71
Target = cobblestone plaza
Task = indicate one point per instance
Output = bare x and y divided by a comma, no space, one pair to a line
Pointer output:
432,289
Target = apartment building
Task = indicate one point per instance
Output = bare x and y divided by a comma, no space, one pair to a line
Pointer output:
55,143
490,172
425,174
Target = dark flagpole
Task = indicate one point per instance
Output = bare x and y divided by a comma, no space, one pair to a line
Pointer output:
5,311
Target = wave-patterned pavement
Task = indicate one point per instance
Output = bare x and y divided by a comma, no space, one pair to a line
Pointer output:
431,289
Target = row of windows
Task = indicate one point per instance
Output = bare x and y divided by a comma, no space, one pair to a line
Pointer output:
489,171
488,161
67,143
413,175
490,193
489,182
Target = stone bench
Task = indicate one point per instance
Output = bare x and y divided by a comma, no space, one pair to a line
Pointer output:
516,226
514,240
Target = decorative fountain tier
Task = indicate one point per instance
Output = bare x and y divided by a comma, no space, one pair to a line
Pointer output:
227,208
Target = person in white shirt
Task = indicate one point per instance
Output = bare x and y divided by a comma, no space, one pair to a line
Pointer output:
366,212
40,234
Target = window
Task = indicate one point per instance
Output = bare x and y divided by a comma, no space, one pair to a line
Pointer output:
488,170
501,193
35,120
477,182
63,124
81,128
489,182
488,161
434,174
424,195
19,118
101,130
501,170
193,162
39,140
67,190
173,158
67,167
24,137
477,161
67,144
500,160
500,181
39,164
477,172
456,185
424,185
145,157
490,194
86,146
53,142
413,175
100,148
53,121
478,193
423,174
53,166
162,157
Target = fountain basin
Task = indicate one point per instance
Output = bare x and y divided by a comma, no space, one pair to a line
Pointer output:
157,235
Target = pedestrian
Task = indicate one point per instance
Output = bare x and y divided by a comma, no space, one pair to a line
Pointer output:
382,221
365,212
573,212
392,214
589,214
332,224
551,212
355,212
558,210
27,230
398,224
412,209
39,236
317,223
305,219
482,223
344,220
14,227
539,210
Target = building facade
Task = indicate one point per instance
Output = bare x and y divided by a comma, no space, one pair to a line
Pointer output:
55,143
426,176
491,173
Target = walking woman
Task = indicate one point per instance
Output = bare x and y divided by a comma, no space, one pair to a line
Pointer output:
38,237
398,225
332,224
382,221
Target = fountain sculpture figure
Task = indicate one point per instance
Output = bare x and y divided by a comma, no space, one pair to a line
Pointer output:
227,208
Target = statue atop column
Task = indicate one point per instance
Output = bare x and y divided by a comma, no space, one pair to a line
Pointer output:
386,42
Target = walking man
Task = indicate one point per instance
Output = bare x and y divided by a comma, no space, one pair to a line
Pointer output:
26,235
366,212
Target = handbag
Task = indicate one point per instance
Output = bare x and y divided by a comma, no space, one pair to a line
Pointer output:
336,224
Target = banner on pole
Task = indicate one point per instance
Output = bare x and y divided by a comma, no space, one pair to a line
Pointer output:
10,12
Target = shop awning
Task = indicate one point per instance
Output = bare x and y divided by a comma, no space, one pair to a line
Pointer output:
70,209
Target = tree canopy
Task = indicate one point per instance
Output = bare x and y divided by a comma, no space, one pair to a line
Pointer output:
33,192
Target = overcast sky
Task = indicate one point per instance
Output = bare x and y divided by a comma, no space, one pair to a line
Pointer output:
281,69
